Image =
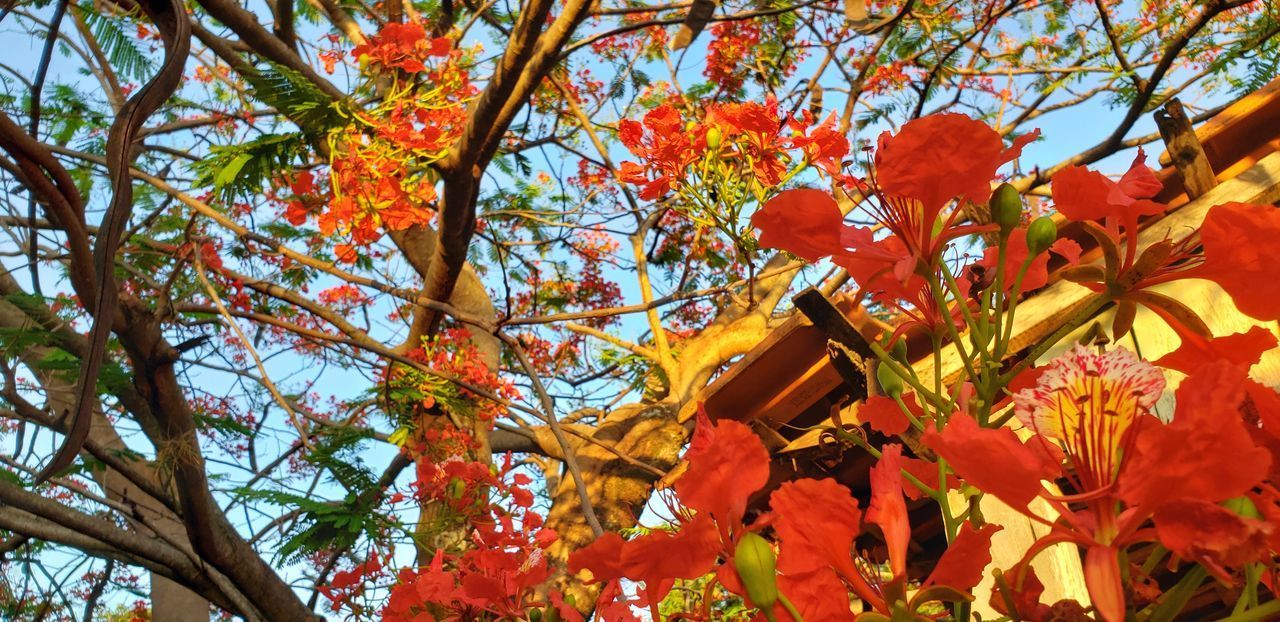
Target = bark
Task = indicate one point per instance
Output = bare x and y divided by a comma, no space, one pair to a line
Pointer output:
170,600
618,490
651,433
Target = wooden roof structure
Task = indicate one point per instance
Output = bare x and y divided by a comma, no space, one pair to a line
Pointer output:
790,384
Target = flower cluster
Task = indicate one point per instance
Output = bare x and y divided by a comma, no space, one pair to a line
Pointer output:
499,575
380,176
730,156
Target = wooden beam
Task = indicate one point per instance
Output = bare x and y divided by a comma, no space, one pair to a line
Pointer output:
1185,150
852,352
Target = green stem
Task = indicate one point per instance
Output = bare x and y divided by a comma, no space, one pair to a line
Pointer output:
940,297
1047,343
1176,597
1261,612
915,423
791,609
908,375
875,453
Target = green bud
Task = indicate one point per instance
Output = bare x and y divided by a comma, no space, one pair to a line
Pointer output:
713,137
690,126
756,564
890,381
1006,207
1041,234
1243,506
535,615
899,351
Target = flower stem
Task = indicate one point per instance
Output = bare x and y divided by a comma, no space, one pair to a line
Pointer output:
791,609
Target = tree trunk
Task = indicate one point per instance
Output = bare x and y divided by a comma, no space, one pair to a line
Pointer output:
618,490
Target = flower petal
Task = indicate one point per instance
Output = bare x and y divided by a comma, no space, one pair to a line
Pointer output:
1081,194
970,449
1241,255
966,557
1212,535
1196,351
1102,577
815,535
937,158
888,509
727,464
802,221
602,557
884,415
1205,453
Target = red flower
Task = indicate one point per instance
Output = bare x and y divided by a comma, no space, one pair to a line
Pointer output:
1205,453
1082,195
804,222
917,173
1015,478
885,416
1241,255
961,566
824,147
1214,536
727,463
888,508
1016,252
941,157
404,46
819,537
1126,466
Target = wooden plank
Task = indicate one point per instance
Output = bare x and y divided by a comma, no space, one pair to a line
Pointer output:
1236,129
782,376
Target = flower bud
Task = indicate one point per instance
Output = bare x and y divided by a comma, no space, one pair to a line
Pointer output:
713,137
1243,506
756,564
1041,234
1006,207
890,381
899,351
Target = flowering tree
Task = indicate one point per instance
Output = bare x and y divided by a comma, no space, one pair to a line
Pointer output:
384,311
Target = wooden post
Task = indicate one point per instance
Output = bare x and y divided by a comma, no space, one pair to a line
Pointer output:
1184,149
852,351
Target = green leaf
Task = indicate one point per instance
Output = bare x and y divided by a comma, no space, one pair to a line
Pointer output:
231,170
